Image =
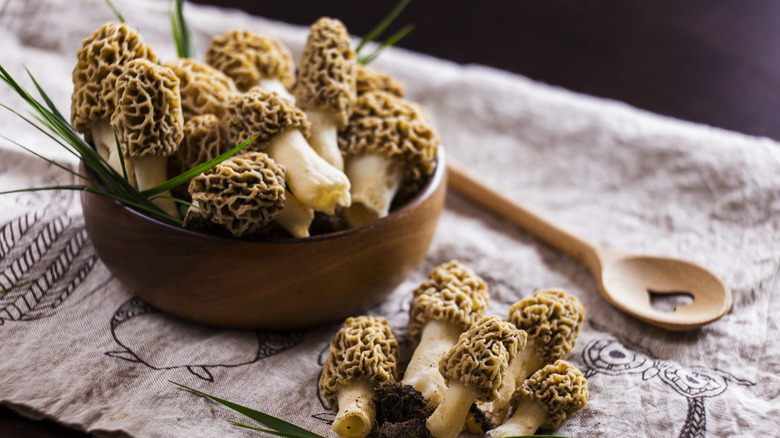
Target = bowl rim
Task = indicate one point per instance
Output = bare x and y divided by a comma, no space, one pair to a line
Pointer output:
433,184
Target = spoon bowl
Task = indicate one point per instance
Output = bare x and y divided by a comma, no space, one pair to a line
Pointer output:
627,281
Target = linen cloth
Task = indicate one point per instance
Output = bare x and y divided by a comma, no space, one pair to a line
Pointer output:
78,348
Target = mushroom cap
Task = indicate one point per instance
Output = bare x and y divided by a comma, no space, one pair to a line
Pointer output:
247,58
244,193
100,62
368,79
386,124
365,347
481,357
452,293
552,318
263,114
204,140
560,387
147,119
204,89
326,73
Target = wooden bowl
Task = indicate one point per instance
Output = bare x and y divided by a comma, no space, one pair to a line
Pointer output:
285,284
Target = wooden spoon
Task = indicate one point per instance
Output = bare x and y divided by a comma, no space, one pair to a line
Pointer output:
625,280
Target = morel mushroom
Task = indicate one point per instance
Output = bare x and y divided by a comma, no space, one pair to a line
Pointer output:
443,307
281,131
368,79
475,369
387,142
252,60
243,194
546,400
326,86
203,140
100,61
148,123
363,354
552,319
295,217
204,89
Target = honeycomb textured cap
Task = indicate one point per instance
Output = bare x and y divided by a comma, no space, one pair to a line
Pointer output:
148,119
204,140
243,193
326,76
262,114
368,79
560,387
247,58
452,293
100,61
384,123
552,318
481,357
204,89
365,347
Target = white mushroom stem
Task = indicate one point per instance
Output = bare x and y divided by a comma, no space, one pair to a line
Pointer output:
316,183
150,172
105,142
356,410
450,416
522,366
276,86
375,179
528,418
324,136
422,373
295,217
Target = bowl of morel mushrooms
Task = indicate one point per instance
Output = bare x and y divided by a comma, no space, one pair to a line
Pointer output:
317,191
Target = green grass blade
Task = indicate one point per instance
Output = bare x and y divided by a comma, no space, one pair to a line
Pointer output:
43,94
288,429
379,28
121,156
116,11
15,286
65,168
389,42
268,431
197,170
181,33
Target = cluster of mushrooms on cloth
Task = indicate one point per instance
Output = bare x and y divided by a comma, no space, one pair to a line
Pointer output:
80,349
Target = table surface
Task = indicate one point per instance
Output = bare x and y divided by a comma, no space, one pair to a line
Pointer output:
710,61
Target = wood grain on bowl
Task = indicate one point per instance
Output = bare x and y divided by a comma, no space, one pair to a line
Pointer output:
283,284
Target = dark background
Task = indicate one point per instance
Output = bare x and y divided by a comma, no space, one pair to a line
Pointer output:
710,61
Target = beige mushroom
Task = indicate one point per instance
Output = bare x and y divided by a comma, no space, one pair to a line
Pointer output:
443,307
100,61
552,318
475,369
203,140
363,354
243,194
387,142
326,86
148,123
252,60
546,400
368,79
281,131
296,218
204,89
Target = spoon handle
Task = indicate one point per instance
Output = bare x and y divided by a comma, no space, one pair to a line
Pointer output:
476,191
